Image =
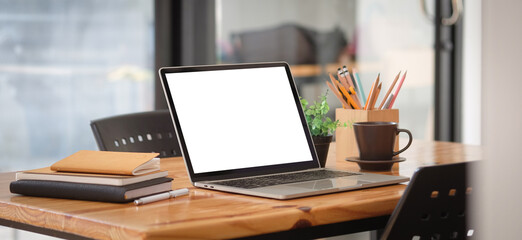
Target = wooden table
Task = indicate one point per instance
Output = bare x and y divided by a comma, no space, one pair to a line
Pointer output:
206,214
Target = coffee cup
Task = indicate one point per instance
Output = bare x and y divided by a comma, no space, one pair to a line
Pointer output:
377,139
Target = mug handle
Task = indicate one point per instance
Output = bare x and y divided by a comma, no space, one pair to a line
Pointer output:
409,140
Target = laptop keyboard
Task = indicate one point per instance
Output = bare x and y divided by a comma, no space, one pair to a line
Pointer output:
284,178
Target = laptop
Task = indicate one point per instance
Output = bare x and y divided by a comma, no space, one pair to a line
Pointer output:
242,130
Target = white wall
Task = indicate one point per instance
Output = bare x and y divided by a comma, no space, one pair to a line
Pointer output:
471,73
501,176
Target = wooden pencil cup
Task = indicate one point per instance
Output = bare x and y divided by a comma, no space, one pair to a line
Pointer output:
346,145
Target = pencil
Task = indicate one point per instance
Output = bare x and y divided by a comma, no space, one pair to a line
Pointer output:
368,100
346,92
387,104
376,95
342,78
398,89
350,89
359,85
342,90
336,93
335,82
372,92
353,83
349,78
389,90
348,97
355,97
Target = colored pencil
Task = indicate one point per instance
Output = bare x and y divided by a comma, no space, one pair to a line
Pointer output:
372,92
369,96
397,90
375,96
360,86
354,84
389,90
387,104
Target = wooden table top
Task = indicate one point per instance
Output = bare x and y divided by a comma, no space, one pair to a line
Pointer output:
206,214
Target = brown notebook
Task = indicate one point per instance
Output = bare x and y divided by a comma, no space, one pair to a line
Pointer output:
104,162
46,174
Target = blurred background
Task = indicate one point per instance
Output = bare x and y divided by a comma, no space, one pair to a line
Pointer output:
64,63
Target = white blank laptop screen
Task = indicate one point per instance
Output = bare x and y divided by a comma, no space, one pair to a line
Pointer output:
241,118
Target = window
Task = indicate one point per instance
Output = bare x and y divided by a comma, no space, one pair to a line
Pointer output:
64,63
316,37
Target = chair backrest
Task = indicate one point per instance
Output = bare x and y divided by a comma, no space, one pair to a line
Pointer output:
291,43
435,205
137,132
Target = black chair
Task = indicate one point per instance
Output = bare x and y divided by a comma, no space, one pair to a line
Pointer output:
434,205
137,132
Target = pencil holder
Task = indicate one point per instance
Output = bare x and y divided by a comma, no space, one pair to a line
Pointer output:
346,145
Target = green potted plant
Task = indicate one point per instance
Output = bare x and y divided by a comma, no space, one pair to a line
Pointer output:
321,127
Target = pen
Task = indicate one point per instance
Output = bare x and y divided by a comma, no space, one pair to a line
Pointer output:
161,196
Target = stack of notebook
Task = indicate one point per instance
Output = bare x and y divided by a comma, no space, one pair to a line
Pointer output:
96,176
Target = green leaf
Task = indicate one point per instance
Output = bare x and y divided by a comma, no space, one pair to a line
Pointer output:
318,123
